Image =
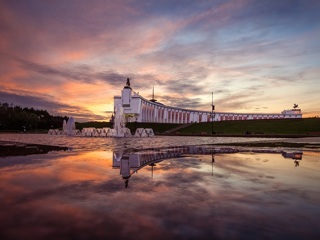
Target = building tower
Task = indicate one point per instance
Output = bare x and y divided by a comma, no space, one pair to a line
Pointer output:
126,94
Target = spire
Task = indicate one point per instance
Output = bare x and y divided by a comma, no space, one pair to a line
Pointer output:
153,92
153,100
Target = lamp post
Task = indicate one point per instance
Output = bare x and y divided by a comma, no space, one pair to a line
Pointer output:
212,109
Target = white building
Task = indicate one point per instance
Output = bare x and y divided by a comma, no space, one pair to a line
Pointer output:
136,108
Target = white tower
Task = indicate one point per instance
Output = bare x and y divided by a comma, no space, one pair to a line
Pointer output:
126,95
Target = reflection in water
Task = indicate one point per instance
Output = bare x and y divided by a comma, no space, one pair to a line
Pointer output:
96,144
296,156
20,149
78,195
212,161
130,162
293,155
152,165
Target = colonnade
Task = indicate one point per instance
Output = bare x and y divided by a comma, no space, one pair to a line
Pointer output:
152,112
136,108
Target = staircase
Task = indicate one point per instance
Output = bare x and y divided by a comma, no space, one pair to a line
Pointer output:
178,128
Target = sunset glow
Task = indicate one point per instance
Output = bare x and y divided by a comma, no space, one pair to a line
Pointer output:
72,57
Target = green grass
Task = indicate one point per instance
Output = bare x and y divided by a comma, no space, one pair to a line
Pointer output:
303,126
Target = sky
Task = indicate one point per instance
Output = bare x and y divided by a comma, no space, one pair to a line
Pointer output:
71,57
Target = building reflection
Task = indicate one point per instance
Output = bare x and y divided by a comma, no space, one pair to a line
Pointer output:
212,161
131,162
296,156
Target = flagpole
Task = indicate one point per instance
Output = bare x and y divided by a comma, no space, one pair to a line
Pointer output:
212,115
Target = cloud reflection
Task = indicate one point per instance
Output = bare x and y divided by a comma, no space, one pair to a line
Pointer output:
82,195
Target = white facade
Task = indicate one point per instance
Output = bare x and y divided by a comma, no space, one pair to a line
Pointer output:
136,108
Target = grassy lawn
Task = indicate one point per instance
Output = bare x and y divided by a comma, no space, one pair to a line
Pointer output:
302,126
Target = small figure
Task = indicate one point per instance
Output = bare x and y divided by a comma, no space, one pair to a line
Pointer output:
128,82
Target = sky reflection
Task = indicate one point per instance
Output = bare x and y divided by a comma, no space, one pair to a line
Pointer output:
83,195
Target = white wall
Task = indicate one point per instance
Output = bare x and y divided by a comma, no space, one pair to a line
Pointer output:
134,104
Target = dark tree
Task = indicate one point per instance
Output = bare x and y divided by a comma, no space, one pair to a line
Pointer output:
21,119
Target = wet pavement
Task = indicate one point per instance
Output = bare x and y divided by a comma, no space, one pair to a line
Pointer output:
166,192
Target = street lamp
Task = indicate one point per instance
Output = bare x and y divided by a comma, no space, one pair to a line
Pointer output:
212,109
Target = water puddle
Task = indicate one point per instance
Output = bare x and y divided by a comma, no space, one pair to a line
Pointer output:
182,192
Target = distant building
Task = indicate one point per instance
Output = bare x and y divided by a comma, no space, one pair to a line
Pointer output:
138,109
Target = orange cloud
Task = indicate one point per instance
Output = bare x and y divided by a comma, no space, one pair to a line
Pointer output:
73,55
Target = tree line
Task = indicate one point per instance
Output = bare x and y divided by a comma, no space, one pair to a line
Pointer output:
27,119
